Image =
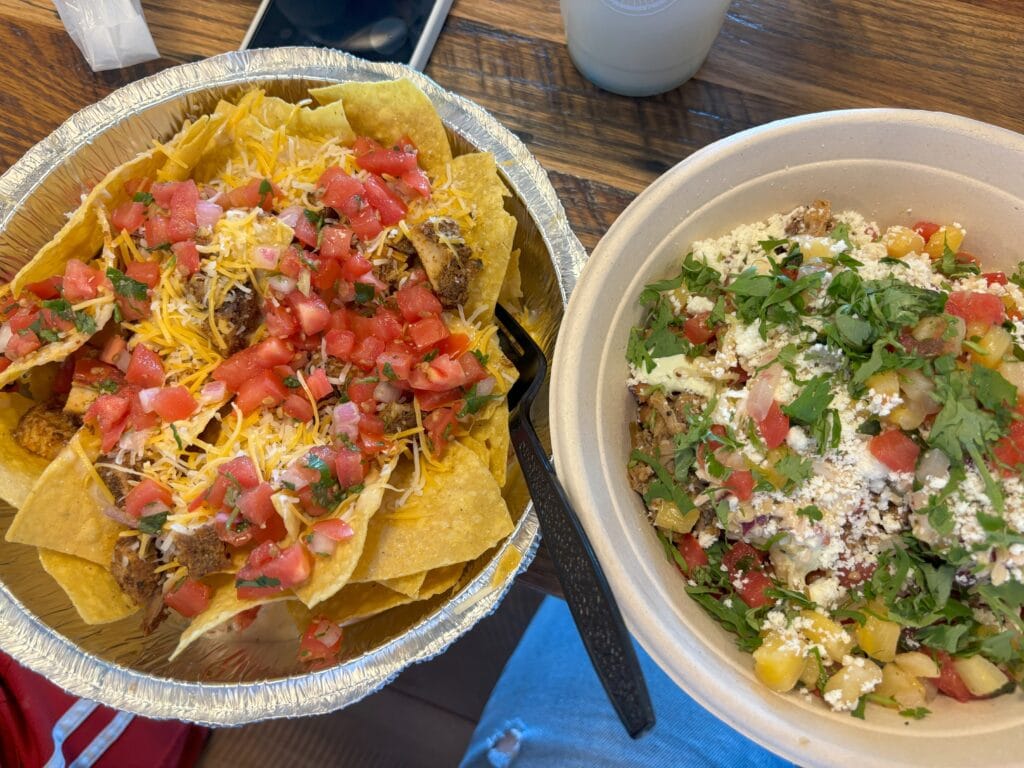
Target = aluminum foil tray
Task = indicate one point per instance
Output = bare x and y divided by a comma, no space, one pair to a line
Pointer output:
222,680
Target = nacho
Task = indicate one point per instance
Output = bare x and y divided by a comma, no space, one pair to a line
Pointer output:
91,589
19,468
286,396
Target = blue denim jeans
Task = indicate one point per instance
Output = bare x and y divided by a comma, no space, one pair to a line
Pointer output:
548,709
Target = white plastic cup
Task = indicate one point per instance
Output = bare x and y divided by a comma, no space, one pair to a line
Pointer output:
641,47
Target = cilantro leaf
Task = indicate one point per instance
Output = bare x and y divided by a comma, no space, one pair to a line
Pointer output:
917,713
292,382
812,401
664,487
143,197
811,512
127,286
950,266
265,188
84,323
992,390
153,524
794,468
364,293
262,582
473,401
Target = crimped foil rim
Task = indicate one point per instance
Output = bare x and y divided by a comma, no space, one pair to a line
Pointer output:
49,653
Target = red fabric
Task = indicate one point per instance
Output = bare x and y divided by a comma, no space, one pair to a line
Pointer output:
30,705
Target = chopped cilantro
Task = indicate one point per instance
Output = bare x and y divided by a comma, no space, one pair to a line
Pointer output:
481,357
177,437
917,713
314,218
389,372
292,382
126,286
858,711
108,386
143,197
364,292
429,356
474,402
794,468
84,323
261,582
153,524
811,512
950,266
812,401
265,188
664,487
59,307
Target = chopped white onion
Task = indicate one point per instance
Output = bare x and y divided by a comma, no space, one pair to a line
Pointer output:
118,515
386,392
147,397
213,392
319,544
291,215
133,441
295,478
208,213
5,337
485,387
933,464
266,256
761,393
122,361
331,635
282,283
305,282
345,420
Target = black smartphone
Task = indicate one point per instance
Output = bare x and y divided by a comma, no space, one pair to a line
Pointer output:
379,30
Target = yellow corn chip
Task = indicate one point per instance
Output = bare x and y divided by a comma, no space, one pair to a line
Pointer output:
90,587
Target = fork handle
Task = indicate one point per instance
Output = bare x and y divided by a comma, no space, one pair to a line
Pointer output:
584,585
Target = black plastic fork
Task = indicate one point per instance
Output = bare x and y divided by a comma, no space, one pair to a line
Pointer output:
583,582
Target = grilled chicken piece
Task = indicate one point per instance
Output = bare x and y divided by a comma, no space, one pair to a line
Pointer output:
135,575
240,307
447,259
45,431
201,552
814,219
79,399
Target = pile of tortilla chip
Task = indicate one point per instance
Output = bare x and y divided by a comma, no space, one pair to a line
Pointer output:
418,519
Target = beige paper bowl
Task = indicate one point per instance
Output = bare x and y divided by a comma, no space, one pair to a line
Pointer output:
895,166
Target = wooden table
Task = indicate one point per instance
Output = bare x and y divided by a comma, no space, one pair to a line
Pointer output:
773,59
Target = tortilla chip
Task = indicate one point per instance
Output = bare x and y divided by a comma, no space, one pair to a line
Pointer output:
387,111
511,293
186,149
331,573
407,585
475,177
64,510
91,589
57,350
356,602
19,469
493,435
328,121
224,604
458,515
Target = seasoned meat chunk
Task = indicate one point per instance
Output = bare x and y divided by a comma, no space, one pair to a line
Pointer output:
202,552
132,573
116,482
814,219
45,431
397,417
447,259
240,307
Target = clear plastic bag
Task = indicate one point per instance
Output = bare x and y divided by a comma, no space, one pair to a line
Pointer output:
110,33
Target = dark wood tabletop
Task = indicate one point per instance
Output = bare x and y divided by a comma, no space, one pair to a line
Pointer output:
773,59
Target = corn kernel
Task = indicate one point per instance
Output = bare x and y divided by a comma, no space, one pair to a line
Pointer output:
899,241
945,236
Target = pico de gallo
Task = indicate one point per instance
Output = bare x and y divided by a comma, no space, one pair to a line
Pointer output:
829,442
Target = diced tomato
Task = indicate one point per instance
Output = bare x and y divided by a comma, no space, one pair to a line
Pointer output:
440,374
697,330
925,229
455,345
371,424
279,319
335,242
976,307
52,321
271,352
187,256
311,312
263,576
417,302
162,192
89,372
180,228
242,621
292,567
996,278
138,503
378,194
184,197
774,426
341,191
265,389
158,231
741,557
291,262
239,473
430,400
340,344
439,425
5,363
255,504
138,417
22,343
174,403
298,407
418,182
306,231
137,185
321,641
250,195
349,467
949,681
752,586
850,576
45,289
128,217
1009,450
133,309
81,282
110,414
472,369
145,369
360,392
427,332
366,223
238,369
372,157
366,352
326,277
189,597
395,365
318,384
741,483
693,554
894,449
355,267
